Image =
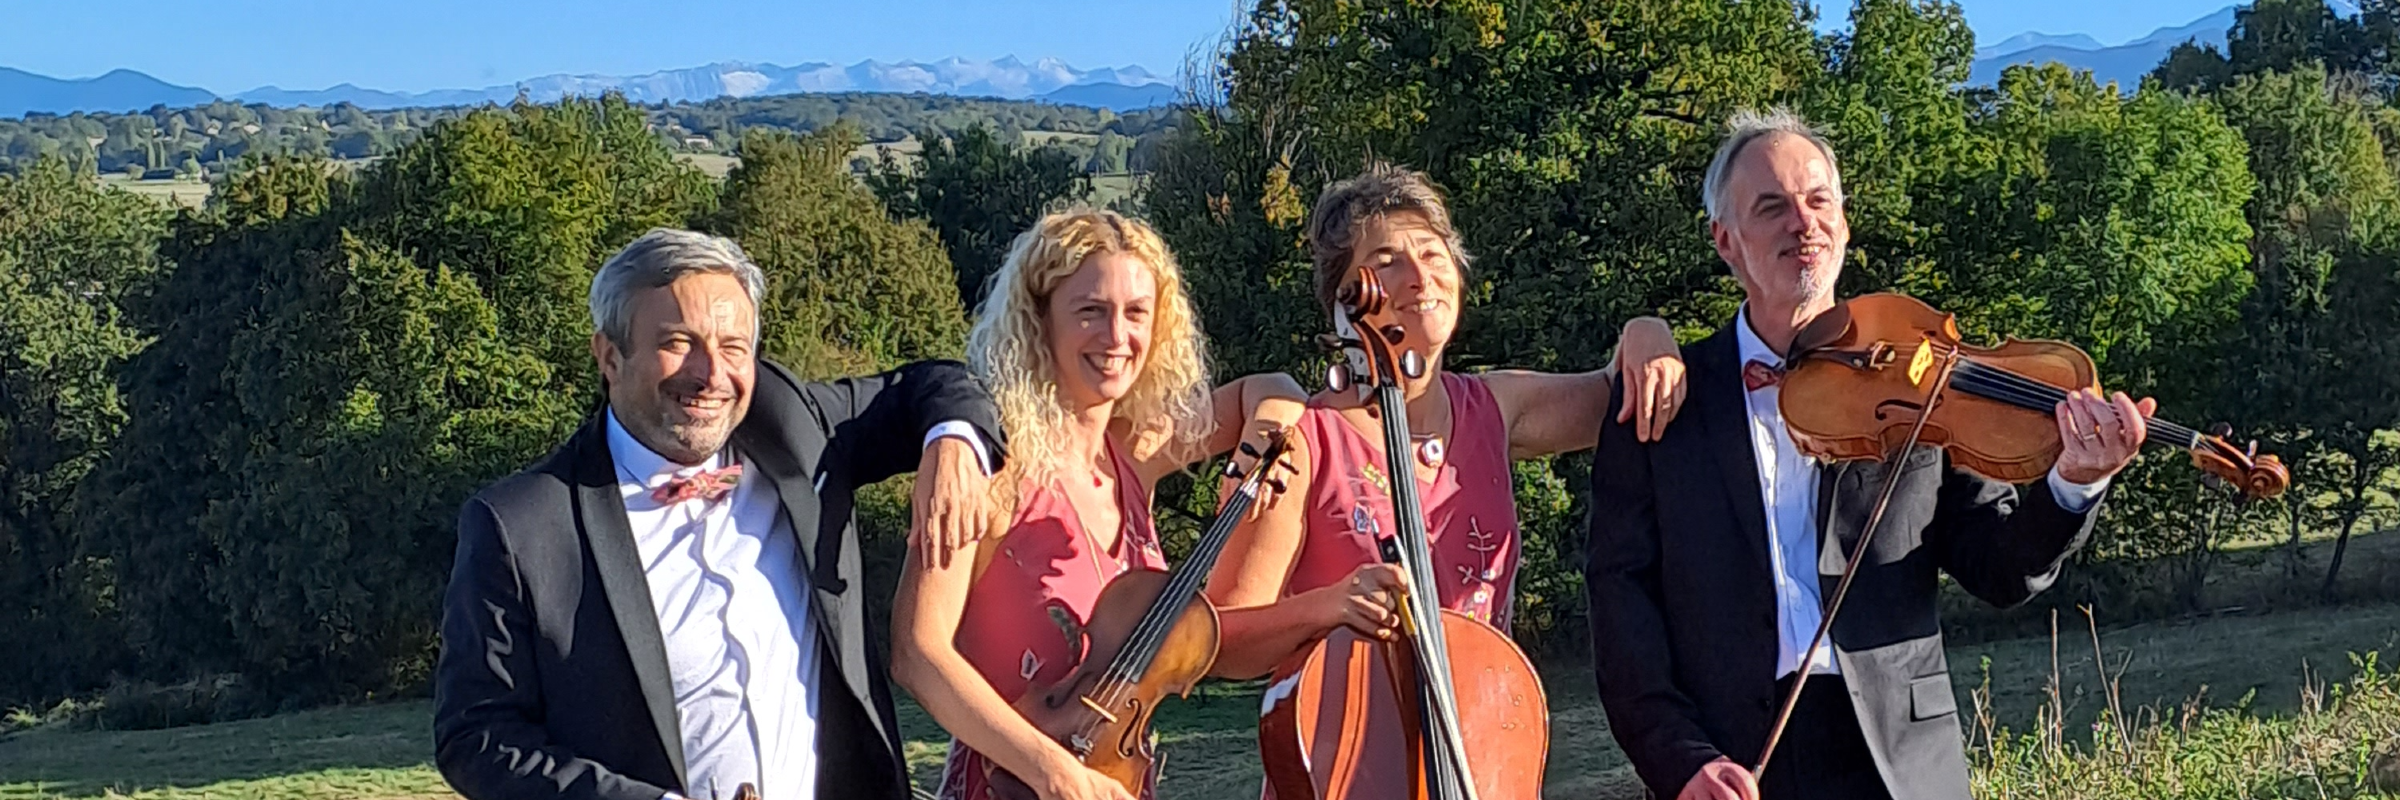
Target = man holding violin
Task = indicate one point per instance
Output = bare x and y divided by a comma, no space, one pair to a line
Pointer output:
1714,551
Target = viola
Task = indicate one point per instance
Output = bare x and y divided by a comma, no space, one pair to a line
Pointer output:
1151,634
1452,710
1859,375
1879,374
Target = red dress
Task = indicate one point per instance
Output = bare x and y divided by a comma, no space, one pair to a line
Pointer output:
1023,622
1470,507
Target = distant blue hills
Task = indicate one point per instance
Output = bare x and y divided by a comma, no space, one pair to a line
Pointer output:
2125,63
1050,80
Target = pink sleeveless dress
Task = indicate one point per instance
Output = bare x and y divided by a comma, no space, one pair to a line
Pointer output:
1023,622
1470,508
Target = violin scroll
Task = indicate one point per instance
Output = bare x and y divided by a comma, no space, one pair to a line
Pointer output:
2258,476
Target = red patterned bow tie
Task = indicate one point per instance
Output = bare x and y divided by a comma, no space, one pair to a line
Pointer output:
707,484
1757,375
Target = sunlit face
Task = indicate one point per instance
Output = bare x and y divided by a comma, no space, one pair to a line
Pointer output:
1783,230
1099,322
682,382
1419,273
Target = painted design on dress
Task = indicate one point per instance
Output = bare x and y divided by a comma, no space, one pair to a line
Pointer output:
1359,516
1487,545
1375,477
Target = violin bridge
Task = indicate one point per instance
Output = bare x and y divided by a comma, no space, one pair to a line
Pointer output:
1096,709
1922,361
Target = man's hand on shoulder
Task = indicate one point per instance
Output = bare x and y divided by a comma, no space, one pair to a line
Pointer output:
1720,780
951,500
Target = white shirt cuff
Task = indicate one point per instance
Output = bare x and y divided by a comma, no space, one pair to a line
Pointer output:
2074,498
962,430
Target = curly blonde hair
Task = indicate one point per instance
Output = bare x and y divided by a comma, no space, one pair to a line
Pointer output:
1009,346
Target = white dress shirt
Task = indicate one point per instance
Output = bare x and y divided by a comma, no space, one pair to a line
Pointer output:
726,582
1787,483
732,603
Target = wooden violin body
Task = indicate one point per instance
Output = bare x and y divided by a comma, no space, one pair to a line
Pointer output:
1115,739
1333,726
1151,634
1858,377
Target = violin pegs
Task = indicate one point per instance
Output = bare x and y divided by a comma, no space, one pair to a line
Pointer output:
1277,483
1393,334
1233,471
1249,451
2221,430
1412,365
1337,378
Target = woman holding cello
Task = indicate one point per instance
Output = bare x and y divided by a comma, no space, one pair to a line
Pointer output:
1303,570
1090,347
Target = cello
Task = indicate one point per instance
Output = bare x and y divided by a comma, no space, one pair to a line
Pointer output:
1151,634
1451,710
1879,374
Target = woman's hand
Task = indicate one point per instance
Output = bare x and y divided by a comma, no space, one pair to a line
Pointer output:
1068,779
1650,373
1367,602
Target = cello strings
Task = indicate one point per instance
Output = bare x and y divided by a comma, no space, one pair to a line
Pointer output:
1431,649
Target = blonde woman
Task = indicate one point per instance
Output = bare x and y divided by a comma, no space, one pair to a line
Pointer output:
1089,345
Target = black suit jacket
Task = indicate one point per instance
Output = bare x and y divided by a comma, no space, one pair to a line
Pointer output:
1682,605
552,681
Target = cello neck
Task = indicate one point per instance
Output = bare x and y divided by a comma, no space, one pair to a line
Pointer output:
2006,386
1444,751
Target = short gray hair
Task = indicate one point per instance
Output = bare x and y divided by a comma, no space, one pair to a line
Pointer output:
1746,126
1382,189
656,260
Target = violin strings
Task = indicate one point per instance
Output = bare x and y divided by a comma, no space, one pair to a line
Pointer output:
1159,620
2026,388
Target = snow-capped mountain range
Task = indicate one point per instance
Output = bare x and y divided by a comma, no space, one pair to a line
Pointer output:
1121,88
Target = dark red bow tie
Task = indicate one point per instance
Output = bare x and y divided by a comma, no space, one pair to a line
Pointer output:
707,485
1757,375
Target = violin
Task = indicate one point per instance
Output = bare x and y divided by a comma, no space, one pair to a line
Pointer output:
1858,377
1879,374
1151,634
1451,710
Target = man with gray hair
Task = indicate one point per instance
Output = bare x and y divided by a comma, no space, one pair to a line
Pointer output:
1713,549
669,604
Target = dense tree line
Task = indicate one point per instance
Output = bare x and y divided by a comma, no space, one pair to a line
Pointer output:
195,141
2152,228
235,437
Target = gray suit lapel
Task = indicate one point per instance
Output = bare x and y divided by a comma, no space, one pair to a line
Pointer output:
1832,547
600,515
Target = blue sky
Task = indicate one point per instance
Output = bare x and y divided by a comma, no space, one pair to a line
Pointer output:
236,45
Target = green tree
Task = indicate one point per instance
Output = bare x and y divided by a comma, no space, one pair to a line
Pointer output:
70,256
2321,324
331,338
850,290
979,189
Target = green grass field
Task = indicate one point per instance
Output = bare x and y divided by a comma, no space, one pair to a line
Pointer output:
383,751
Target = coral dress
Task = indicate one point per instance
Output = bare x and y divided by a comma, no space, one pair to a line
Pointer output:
1470,507
1023,623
